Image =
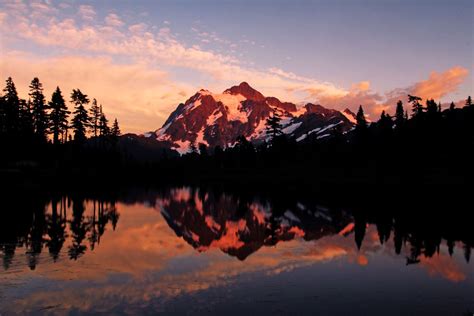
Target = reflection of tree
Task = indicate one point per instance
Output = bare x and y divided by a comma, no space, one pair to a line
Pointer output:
78,229
56,228
35,239
33,227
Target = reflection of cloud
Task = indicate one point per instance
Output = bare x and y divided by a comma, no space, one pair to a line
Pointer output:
445,266
143,263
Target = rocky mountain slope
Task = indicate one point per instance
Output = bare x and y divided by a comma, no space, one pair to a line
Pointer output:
218,119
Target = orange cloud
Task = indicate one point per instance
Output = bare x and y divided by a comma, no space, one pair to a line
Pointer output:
440,84
444,266
135,94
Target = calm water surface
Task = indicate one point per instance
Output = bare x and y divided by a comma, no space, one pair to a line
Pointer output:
190,251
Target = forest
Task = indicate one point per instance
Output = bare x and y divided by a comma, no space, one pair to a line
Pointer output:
420,147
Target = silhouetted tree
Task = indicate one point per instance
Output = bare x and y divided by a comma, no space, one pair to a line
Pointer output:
10,108
417,108
80,121
115,129
452,106
95,116
469,101
39,113
273,125
104,125
361,121
399,114
58,115
26,119
431,107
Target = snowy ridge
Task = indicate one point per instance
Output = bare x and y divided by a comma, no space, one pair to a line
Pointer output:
217,119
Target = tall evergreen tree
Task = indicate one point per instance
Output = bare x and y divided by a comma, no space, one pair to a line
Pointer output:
116,129
361,121
58,115
452,106
273,125
95,114
431,107
10,109
399,114
26,119
417,108
469,101
38,103
80,121
104,125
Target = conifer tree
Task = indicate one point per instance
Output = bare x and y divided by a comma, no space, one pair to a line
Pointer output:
431,107
80,121
26,119
116,129
417,108
361,121
58,115
38,110
273,125
452,106
399,114
95,114
10,108
104,125
469,101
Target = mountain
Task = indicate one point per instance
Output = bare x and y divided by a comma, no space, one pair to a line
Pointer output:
218,119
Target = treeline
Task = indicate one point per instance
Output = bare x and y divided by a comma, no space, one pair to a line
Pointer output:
37,131
432,146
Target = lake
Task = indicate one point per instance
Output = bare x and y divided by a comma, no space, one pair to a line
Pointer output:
189,251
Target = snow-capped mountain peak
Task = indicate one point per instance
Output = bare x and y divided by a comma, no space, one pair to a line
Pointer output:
216,119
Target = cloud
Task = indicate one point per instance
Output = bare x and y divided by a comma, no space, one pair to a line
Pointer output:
87,12
144,47
440,84
113,20
436,86
137,95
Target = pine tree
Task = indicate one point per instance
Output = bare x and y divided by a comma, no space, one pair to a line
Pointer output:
452,106
95,114
399,114
26,119
58,116
104,125
417,108
469,101
40,116
273,125
116,129
361,122
9,111
80,121
431,106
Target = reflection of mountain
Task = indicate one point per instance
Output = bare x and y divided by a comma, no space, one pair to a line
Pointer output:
239,226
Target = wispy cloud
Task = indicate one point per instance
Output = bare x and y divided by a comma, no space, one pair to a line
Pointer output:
147,48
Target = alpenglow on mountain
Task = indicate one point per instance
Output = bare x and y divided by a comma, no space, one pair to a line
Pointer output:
219,119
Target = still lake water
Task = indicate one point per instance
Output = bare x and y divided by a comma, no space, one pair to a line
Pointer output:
187,251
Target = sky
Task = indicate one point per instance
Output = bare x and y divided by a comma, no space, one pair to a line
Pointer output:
140,59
